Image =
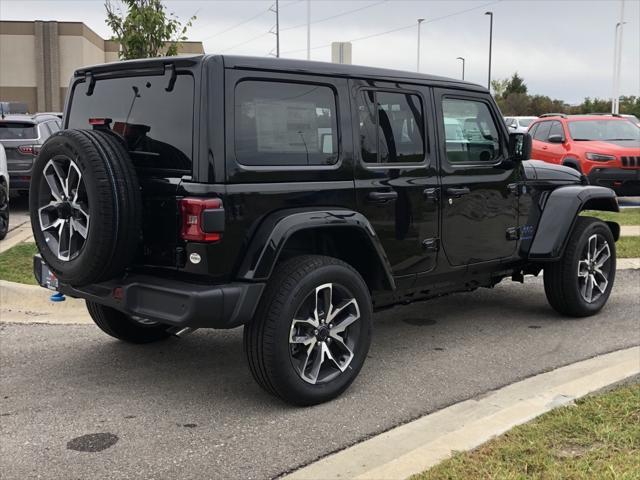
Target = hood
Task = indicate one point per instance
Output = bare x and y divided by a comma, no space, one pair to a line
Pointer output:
612,147
539,171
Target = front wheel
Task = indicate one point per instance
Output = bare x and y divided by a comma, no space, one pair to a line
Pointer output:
579,284
311,333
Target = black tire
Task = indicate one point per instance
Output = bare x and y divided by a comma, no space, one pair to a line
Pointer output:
121,326
561,281
4,211
113,200
266,338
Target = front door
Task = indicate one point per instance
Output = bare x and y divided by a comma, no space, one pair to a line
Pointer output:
396,176
479,183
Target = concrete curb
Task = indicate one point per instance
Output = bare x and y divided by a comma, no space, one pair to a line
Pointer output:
630,230
416,446
16,236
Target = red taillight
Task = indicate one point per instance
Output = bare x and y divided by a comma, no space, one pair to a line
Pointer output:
191,210
29,149
99,121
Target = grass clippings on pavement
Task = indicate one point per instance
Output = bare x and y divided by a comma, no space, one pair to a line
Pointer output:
598,437
626,216
16,264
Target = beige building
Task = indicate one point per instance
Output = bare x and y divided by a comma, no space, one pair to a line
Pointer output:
37,59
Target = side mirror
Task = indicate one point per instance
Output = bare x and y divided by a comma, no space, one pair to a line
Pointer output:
555,139
519,146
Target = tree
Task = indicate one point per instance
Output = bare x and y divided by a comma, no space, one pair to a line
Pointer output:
146,30
499,86
515,85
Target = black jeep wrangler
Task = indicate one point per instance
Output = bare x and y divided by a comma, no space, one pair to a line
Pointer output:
295,198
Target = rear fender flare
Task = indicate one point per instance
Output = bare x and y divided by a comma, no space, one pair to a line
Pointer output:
272,234
559,216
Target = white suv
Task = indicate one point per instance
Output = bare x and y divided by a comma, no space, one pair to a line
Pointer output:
519,124
4,194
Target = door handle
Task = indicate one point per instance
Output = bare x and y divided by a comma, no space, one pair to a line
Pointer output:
458,192
431,194
545,147
382,197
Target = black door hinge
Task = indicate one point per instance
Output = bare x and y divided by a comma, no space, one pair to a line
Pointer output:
431,244
513,233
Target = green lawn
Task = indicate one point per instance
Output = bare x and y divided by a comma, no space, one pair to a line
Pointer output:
598,438
626,216
16,264
628,247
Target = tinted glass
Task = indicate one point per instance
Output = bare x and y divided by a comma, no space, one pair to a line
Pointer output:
542,132
391,127
157,124
604,129
532,130
53,126
17,131
556,129
525,122
480,142
280,123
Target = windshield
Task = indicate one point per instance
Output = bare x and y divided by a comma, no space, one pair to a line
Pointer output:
525,122
17,131
604,130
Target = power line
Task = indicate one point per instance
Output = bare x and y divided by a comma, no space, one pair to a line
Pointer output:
236,25
348,12
386,32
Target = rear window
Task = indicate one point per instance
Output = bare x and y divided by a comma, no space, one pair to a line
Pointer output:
17,131
157,124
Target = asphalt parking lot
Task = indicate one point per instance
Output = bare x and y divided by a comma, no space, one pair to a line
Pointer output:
189,408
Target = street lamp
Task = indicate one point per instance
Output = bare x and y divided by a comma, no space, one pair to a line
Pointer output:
462,58
616,75
420,20
490,45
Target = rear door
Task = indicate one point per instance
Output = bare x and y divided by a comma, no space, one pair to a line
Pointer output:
19,140
396,176
479,206
539,144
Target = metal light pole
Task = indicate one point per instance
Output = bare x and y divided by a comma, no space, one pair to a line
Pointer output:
462,58
490,45
308,29
420,20
616,54
277,30
618,60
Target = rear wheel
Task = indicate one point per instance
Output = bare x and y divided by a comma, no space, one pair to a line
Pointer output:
579,284
125,328
4,211
311,333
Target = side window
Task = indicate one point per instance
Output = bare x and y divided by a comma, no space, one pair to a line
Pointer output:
279,123
54,126
532,130
542,132
471,135
556,129
391,127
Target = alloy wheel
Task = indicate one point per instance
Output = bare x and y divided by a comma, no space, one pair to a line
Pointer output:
594,268
64,213
324,333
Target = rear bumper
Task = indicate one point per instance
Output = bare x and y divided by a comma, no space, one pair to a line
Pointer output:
623,181
169,301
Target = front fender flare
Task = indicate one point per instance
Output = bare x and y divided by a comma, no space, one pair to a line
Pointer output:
272,234
559,215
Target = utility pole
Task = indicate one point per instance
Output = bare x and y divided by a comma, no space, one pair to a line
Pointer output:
462,58
614,93
420,20
308,29
618,61
490,45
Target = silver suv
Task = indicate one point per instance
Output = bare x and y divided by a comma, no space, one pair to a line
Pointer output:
22,136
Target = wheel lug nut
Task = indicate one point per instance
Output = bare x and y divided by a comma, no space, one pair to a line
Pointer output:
315,332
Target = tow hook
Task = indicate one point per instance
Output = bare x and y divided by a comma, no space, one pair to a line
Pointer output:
181,332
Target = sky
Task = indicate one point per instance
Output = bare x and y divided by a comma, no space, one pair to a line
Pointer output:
562,48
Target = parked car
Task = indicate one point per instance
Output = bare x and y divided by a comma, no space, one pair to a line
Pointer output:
519,124
604,148
294,198
4,194
631,118
22,136
7,108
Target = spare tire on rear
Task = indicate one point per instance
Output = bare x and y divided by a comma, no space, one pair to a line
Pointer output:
85,206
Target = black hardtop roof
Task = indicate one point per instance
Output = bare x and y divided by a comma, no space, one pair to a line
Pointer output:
282,65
